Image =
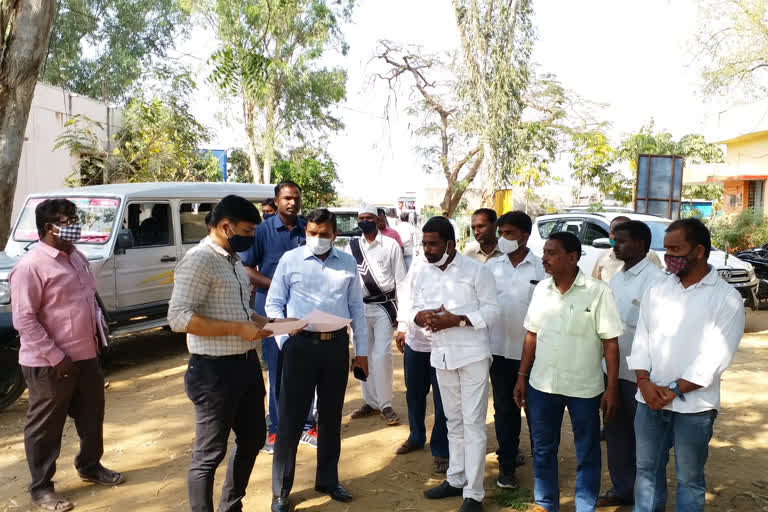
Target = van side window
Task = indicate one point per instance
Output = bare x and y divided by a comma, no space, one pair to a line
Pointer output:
150,223
192,216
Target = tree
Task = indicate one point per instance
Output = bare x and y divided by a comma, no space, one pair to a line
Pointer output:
25,27
592,159
159,141
269,57
693,147
733,36
99,48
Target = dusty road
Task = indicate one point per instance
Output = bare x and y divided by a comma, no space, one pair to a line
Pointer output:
149,432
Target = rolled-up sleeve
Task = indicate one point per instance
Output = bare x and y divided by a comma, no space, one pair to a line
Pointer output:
488,307
723,342
191,283
532,320
640,356
357,312
26,300
608,320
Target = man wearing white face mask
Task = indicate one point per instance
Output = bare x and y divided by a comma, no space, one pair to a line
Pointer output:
315,277
517,273
54,311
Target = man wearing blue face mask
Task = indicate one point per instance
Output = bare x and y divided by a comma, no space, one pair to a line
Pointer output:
315,277
381,268
210,302
607,265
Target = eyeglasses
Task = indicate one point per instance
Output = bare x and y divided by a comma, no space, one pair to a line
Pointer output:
68,221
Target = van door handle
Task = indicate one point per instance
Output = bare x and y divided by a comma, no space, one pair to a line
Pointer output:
583,253
167,259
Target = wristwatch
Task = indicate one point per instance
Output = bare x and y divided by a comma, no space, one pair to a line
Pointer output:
676,390
462,323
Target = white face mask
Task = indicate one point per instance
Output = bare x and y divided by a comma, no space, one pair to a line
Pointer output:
440,262
507,246
319,245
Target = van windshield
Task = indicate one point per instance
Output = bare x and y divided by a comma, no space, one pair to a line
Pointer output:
97,214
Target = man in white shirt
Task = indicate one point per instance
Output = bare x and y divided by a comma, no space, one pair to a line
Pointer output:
689,329
484,247
572,321
607,264
517,273
415,343
455,298
408,237
380,265
456,233
633,240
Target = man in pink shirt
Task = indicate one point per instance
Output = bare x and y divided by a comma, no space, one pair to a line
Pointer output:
54,311
383,226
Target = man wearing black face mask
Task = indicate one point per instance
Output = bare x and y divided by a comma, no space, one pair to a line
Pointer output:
689,328
55,313
268,208
381,268
210,302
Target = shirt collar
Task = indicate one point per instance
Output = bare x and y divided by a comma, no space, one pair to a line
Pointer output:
379,239
49,250
278,225
479,250
708,280
232,256
639,267
580,281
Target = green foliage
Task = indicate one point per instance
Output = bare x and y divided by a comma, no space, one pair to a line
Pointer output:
592,158
160,140
743,231
315,172
516,499
710,192
240,167
100,49
693,147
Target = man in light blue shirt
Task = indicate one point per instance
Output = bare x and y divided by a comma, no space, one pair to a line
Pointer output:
315,277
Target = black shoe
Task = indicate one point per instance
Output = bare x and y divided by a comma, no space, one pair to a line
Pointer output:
507,480
280,504
471,505
444,490
337,493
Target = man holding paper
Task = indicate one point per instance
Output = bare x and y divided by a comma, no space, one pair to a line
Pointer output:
319,284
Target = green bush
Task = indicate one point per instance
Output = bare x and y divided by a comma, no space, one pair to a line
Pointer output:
739,232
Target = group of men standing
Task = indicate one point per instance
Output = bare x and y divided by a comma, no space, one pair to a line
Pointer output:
645,348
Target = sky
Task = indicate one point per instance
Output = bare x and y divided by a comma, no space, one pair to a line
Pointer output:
633,55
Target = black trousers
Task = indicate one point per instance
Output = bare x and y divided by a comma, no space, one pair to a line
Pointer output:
51,399
309,363
506,413
620,442
229,396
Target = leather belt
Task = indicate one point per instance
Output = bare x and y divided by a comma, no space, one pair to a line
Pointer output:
323,336
239,357
380,299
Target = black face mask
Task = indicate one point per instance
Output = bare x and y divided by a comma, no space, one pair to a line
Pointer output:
367,226
268,215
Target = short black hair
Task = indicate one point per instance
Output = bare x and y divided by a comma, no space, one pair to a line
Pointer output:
445,213
489,214
404,216
322,215
696,233
380,211
636,230
287,183
208,219
236,209
49,211
441,226
269,202
568,240
517,218
622,218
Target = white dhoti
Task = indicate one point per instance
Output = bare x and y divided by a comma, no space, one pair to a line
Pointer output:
377,390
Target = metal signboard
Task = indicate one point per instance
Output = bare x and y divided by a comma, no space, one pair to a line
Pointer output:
659,185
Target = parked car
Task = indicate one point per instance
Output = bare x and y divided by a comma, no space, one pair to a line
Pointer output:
346,226
592,229
133,236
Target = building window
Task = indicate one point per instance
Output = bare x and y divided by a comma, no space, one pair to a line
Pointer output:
755,195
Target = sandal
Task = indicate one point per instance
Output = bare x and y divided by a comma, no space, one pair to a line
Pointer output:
365,411
103,476
53,502
391,418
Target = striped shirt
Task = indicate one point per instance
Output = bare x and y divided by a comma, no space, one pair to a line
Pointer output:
211,282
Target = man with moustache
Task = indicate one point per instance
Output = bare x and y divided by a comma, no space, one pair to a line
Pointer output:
484,248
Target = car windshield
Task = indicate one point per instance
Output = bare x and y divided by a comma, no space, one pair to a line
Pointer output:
346,224
97,215
657,233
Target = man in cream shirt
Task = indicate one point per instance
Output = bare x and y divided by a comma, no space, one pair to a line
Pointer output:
633,239
608,265
517,272
572,320
690,326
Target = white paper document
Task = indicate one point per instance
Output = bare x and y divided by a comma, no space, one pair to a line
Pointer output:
325,322
278,328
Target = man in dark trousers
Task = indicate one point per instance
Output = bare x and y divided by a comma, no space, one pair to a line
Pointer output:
53,294
315,277
274,237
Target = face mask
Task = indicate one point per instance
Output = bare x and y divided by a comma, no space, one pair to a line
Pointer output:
677,264
69,233
367,226
319,245
268,215
507,246
441,261
612,242
240,243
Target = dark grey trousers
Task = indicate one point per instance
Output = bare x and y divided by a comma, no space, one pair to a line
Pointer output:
310,363
620,442
51,400
229,396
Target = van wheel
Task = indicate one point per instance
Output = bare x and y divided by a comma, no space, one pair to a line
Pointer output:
12,385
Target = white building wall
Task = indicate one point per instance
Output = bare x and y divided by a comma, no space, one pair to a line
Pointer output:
42,169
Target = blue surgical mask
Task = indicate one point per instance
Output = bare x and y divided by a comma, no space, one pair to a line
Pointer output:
268,215
612,242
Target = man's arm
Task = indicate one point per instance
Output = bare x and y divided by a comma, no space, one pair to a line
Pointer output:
252,259
610,401
277,297
26,302
398,266
526,363
258,279
357,312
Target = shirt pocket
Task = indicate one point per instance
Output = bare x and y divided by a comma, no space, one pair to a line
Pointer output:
633,314
580,322
459,294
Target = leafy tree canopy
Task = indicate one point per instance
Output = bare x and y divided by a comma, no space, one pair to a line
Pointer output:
693,147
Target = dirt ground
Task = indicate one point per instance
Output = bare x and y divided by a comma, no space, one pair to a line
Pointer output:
149,432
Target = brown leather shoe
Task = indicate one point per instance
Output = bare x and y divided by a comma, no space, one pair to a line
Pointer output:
408,447
365,411
609,500
391,418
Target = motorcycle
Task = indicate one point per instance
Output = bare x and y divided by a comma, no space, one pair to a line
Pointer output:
758,258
